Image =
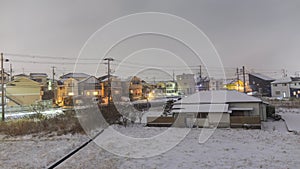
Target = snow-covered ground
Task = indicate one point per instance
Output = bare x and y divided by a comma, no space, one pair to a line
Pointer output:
291,118
16,115
226,148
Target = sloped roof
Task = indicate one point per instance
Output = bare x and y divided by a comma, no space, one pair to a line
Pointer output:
23,81
295,78
282,80
218,97
261,76
201,108
90,79
74,75
38,74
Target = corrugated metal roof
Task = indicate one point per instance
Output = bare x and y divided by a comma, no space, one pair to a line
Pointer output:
200,108
263,77
218,97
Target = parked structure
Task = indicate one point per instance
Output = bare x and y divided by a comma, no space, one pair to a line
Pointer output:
219,108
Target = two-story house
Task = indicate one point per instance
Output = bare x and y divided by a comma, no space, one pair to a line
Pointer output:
281,87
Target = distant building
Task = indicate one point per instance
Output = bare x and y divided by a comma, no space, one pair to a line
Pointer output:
203,84
216,84
281,87
23,91
77,76
171,89
186,84
39,77
295,87
260,84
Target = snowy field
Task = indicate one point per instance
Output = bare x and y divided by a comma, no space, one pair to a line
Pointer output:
291,118
272,147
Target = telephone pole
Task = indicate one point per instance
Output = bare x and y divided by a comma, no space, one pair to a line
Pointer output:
244,79
10,68
2,86
52,85
238,78
200,72
108,78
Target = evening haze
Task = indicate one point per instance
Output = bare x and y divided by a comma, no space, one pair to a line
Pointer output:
263,36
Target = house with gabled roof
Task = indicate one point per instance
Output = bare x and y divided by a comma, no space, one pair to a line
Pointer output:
260,84
23,91
219,108
281,87
77,76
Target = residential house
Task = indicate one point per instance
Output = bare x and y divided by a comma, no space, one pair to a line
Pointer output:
260,84
20,75
171,89
281,87
23,91
90,87
115,89
77,76
186,83
216,84
219,108
237,85
295,87
66,90
39,77
135,89
203,84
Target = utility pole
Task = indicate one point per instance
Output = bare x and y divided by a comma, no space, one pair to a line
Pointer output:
2,86
238,78
52,85
200,72
108,78
10,68
244,79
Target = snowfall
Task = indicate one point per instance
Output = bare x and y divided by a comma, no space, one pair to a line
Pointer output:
272,147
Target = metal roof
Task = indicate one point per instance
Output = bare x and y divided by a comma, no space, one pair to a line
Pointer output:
282,80
218,97
201,108
261,76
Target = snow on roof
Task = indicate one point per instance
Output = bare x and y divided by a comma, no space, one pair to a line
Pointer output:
218,96
75,75
261,76
201,108
283,80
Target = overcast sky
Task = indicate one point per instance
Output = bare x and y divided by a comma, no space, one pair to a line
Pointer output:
261,35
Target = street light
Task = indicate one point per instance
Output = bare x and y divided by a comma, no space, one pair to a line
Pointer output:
2,86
